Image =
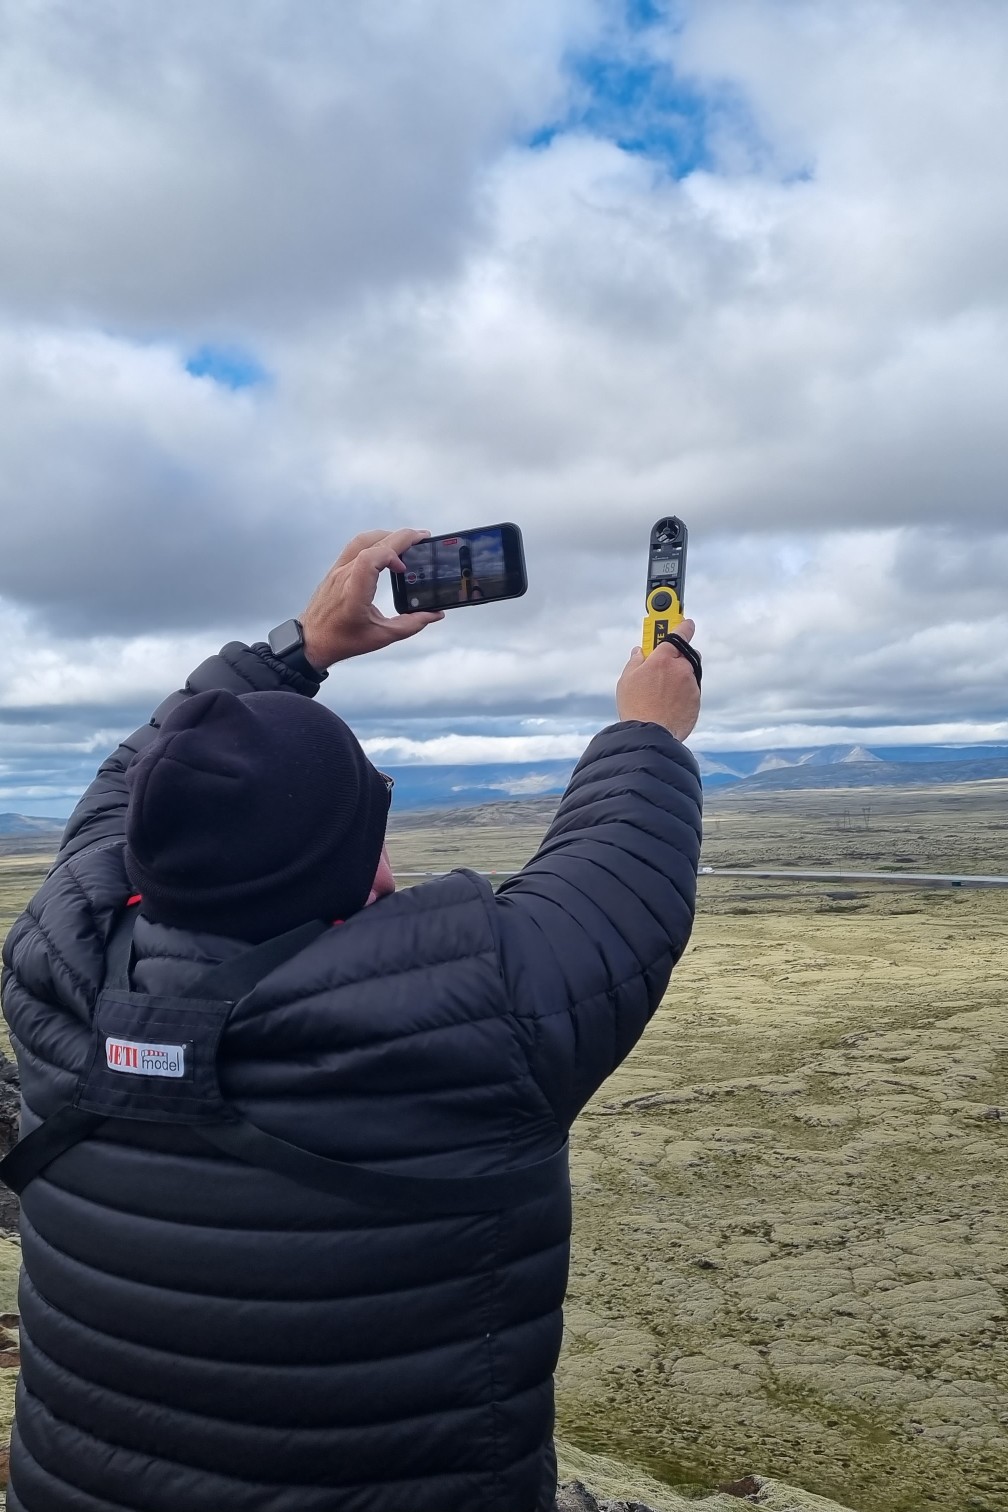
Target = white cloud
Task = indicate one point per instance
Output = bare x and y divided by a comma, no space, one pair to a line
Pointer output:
471,750
952,735
810,367
531,785
200,169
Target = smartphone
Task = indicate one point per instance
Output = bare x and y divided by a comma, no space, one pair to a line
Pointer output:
467,567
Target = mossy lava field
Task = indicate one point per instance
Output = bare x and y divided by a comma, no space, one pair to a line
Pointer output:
791,1241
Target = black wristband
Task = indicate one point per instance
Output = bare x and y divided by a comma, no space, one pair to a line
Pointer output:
693,657
298,662
286,643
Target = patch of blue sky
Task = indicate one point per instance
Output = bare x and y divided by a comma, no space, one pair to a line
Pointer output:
231,366
627,93
643,107
641,14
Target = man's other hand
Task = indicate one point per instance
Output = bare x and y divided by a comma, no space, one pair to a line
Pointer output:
341,619
661,688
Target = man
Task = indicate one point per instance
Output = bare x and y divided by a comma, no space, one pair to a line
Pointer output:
320,1265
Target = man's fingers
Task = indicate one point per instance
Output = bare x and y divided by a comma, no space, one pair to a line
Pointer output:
405,625
686,629
399,540
373,560
360,543
385,553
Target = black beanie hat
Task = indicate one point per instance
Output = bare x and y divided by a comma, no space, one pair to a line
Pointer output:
252,813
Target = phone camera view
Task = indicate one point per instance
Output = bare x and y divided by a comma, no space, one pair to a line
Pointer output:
459,569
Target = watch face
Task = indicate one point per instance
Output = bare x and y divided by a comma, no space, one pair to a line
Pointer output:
286,638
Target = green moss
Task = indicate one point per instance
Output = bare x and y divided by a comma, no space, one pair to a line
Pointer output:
790,1202
10,1265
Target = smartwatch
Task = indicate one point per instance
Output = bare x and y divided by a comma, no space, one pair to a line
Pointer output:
286,642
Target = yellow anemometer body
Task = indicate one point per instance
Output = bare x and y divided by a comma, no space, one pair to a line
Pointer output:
663,596
663,614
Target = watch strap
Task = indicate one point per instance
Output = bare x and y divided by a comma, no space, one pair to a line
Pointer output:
286,643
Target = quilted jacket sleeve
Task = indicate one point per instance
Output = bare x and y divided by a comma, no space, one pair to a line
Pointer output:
100,816
591,928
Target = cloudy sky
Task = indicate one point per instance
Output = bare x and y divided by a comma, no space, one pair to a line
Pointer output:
271,273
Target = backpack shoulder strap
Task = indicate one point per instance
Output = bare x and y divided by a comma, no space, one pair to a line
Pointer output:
227,981
231,980
53,1136
119,951
429,1196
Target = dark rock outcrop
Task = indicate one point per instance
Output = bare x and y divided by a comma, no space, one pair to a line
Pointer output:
575,1497
10,1114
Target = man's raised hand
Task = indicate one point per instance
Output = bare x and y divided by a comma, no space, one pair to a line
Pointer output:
662,687
341,619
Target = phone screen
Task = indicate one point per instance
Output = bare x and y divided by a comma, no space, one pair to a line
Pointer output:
469,567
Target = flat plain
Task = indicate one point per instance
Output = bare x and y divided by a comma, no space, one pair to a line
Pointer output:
791,1202
791,1241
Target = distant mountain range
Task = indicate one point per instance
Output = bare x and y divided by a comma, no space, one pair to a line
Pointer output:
875,772
831,766
852,766
25,826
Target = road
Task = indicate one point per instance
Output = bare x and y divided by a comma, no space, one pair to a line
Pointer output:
911,879
792,874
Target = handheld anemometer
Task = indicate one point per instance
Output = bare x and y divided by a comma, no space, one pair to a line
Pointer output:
666,580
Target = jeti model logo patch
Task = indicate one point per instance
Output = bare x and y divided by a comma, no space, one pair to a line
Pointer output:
142,1058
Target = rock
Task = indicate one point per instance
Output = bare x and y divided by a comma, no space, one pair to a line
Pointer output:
624,1506
598,1483
10,1103
575,1497
10,1117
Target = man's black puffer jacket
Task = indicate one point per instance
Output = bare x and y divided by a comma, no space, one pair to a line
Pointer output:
202,1336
